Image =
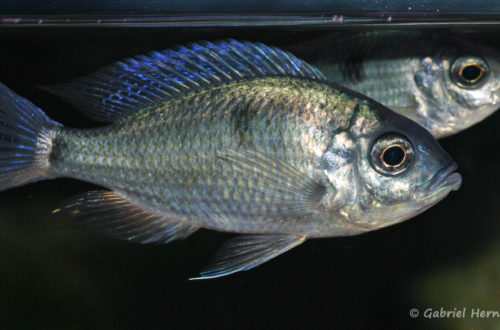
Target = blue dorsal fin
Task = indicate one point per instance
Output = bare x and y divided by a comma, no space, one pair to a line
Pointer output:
125,87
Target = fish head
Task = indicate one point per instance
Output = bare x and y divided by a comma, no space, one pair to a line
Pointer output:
398,171
461,87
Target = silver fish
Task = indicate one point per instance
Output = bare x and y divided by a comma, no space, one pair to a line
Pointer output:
230,136
443,82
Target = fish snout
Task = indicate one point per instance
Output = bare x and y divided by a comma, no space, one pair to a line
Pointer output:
446,177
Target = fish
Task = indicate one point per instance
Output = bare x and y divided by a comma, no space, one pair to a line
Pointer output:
230,136
443,81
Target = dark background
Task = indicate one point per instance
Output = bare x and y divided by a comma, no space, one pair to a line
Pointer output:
57,277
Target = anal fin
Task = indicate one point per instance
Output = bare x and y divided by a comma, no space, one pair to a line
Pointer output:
107,212
245,252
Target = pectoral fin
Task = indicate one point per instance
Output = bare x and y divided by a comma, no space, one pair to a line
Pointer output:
245,252
282,188
107,212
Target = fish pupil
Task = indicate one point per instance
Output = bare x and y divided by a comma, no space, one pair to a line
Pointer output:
471,72
393,156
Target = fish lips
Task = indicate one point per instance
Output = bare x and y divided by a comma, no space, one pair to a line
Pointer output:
446,178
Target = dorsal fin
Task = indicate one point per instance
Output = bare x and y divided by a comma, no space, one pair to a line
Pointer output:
123,88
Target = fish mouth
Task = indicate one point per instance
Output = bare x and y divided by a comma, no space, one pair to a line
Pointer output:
446,178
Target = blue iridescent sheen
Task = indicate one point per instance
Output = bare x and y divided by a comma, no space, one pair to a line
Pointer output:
128,86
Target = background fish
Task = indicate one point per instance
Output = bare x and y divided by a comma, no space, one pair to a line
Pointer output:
443,82
236,137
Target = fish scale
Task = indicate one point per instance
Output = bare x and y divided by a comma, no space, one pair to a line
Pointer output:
164,127
418,74
230,136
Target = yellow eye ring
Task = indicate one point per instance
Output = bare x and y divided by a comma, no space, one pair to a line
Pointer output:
469,72
472,72
391,154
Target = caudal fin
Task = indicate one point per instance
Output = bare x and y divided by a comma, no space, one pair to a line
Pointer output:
25,140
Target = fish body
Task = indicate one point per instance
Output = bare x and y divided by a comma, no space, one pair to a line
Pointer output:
279,154
443,82
177,157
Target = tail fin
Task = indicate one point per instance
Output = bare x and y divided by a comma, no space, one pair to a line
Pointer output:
25,140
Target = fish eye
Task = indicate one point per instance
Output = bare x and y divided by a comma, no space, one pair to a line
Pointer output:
469,71
391,154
